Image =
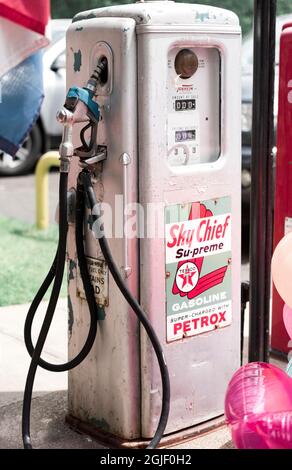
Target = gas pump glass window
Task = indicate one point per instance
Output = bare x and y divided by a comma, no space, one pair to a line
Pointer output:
194,105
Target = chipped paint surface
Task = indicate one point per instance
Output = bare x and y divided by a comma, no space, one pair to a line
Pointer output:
84,16
90,220
204,16
70,316
80,28
77,61
100,313
72,268
158,14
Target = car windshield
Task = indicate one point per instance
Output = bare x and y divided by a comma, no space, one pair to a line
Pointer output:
247,45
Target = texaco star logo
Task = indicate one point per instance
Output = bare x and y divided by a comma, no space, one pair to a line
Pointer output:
187,276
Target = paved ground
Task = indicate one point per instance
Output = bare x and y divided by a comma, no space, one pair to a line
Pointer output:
17,197
48,428
14,358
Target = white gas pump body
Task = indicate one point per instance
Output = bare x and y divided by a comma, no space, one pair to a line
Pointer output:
173,145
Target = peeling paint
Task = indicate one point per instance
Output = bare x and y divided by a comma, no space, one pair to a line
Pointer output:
91,221
100,313
202,16
72,267
77,61
139,19
81,16
70,316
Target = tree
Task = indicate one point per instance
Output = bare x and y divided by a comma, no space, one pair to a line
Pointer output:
244,9
69,8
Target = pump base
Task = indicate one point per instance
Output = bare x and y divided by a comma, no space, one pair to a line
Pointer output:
174,439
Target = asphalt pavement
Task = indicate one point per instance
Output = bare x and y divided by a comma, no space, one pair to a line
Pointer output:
18,199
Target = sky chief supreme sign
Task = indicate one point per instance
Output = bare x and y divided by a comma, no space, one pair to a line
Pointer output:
198,267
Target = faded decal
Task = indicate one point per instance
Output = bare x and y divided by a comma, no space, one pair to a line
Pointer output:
98,274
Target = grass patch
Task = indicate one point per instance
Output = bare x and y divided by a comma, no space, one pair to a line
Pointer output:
26,255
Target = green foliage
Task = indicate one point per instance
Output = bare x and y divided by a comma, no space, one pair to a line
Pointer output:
243,8
69,8
26,256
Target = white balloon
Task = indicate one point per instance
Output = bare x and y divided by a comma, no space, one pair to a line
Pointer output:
282,269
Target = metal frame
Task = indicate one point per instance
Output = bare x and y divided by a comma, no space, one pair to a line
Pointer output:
261,227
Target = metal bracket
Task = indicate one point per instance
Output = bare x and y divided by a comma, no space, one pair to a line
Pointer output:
125,160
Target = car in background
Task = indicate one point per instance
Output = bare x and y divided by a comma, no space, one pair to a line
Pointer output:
46,133
247,92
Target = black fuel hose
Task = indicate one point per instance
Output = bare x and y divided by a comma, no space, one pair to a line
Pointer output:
56,272
89,296
60,265
141,315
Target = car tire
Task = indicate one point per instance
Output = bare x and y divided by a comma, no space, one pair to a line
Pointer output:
26,157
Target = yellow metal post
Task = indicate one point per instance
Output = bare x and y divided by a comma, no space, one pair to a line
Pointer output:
47,161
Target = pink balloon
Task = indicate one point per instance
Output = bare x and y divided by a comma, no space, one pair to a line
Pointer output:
258,407
287,317
282,268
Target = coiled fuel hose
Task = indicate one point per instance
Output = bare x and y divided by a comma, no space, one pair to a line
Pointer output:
55,275
85,179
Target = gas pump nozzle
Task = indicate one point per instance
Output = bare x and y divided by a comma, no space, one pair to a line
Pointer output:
79,107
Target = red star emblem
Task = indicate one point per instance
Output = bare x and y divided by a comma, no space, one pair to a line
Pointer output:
187,277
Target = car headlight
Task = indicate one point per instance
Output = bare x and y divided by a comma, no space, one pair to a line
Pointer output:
246,117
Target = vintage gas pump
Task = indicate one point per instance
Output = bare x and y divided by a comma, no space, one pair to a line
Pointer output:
157,188
283,196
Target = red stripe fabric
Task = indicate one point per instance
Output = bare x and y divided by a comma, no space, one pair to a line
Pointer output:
31,14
